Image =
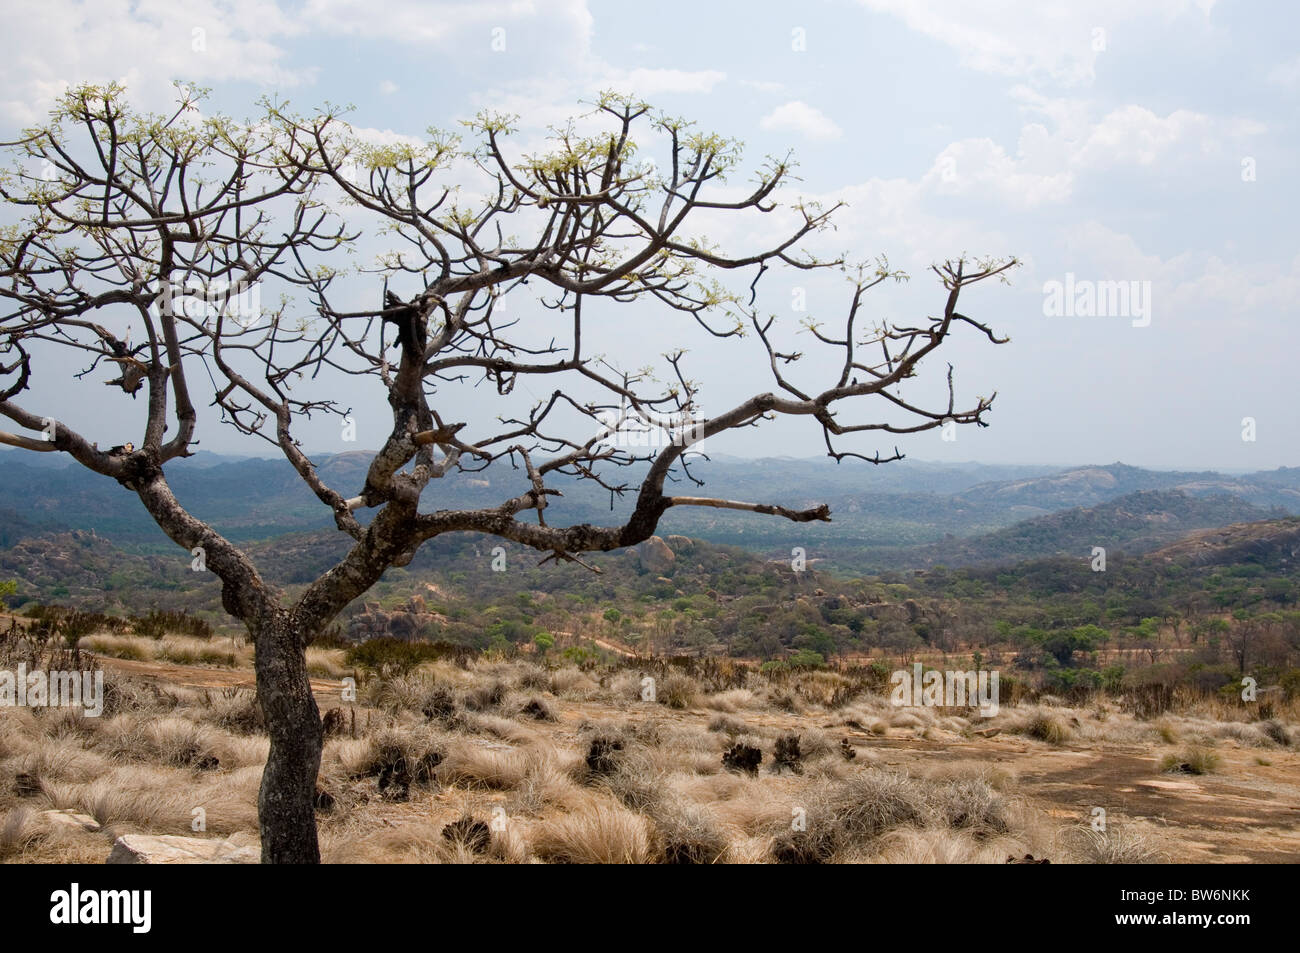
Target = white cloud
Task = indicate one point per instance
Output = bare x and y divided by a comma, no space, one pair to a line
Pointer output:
799,117
1189,286
1071,142
1049,162
146,44
1135,135
982,167
1048,38
388,87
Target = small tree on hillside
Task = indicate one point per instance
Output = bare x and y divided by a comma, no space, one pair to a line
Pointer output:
141,236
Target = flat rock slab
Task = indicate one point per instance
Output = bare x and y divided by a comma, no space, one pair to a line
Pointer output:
70,819
170,849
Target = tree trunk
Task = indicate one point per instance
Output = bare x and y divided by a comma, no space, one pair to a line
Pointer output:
286,802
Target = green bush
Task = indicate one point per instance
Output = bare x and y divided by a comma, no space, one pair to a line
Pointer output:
395,655
807,659
1290,682
159,622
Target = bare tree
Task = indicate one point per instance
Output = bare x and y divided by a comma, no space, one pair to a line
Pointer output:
140,232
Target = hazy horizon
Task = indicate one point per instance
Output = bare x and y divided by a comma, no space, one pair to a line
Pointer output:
47,459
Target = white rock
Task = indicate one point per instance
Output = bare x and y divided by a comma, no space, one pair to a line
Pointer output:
170,849
70,818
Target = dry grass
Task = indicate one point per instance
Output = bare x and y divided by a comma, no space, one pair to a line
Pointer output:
1045,725
506,743
327,663
1192,760
1126,844
178,649
596,833
476,763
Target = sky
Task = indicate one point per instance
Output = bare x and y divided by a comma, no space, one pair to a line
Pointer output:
1151,144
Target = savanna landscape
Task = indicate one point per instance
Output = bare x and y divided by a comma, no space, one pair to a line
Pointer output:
569,433
521,730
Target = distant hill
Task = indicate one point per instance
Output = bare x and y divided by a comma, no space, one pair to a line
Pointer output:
1088,486
1135,523
1274,543
908,513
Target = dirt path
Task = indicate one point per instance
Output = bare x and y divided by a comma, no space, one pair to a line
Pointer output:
200,676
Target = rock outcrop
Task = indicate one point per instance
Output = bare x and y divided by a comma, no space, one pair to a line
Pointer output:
171,849
655,555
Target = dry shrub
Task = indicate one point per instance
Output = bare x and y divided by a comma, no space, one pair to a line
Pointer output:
410,842
604,756
415,750
162,800
677,690
730,701
533,678
1276,732
18,730
1045,726
402,692
597,833
816,743
905,719
476,764
626,686
327,663
1252,736
843,820
345,758
740,803
506,729
62,760
573,683
1117,844
135,648
878,800
827,689
546,784
537,708
930,846
236,710
686,833
19,831
179,743
730,726
971,804
70,723
1191,760
187,650
487,696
